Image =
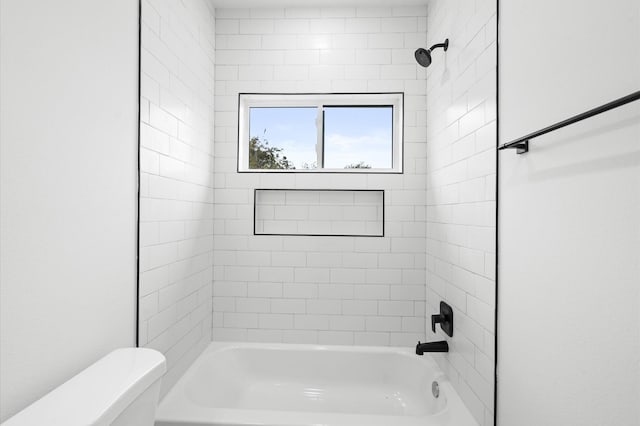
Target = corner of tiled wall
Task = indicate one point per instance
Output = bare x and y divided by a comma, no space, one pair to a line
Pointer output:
176,180
461,190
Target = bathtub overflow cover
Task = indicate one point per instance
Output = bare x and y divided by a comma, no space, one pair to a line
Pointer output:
435,389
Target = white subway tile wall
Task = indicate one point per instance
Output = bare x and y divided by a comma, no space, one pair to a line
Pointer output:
176,182
461,188
319,213
334,290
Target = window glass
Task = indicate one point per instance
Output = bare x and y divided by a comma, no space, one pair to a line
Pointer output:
358,137
282,138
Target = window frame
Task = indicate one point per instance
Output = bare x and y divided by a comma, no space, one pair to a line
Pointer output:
320,101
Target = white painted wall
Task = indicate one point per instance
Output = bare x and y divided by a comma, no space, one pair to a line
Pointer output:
461,140
69,108
334,290
176,196
569,293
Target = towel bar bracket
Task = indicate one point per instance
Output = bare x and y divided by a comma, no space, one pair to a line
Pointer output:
521,147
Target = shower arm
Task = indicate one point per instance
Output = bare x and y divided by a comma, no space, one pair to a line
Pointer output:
445,45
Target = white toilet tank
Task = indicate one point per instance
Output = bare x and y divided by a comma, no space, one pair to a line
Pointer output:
120,389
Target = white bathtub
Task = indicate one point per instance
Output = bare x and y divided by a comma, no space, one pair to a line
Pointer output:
285,384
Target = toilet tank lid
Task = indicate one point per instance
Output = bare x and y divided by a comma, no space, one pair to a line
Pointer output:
98,394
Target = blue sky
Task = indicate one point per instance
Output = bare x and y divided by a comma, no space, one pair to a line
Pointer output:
352,134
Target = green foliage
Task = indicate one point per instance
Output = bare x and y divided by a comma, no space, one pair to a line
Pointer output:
263,156
360,165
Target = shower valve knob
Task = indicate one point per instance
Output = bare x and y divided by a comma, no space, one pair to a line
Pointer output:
436,319
444,318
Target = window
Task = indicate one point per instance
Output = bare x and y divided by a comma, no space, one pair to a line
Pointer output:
354,133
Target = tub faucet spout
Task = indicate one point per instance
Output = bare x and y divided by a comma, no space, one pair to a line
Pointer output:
441,346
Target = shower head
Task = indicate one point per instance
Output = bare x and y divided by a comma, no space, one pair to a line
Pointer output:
423,56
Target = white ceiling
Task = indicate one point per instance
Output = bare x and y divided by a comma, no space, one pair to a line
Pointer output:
313,3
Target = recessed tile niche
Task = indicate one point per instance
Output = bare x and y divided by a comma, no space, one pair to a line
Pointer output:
358,213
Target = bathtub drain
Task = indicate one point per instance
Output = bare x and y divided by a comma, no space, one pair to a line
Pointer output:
435,389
